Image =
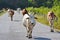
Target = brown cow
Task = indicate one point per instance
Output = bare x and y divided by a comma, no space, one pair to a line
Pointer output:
24,11
11,13
51,17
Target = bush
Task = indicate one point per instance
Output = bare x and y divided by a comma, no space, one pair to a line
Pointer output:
41,13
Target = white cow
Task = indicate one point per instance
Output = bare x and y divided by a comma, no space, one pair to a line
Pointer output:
18,10
29,22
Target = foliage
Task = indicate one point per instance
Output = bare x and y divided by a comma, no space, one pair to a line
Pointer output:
41,14
28,3
2,12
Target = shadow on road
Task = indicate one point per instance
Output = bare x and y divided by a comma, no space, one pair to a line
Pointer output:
41,38
16,20
58,32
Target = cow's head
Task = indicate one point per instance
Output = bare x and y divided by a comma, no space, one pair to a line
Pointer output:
24,11
31,19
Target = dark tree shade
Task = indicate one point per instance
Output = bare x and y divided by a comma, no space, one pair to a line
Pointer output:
28,3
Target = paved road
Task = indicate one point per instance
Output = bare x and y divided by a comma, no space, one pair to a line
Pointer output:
14,30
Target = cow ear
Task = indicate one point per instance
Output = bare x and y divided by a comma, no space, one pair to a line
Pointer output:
27,18
35,17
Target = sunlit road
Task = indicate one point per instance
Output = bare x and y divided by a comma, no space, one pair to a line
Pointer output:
14,30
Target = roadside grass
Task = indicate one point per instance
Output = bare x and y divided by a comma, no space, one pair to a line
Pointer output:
41,14
2,12
44,21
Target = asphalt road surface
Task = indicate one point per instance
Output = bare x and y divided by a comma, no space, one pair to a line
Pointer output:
14,30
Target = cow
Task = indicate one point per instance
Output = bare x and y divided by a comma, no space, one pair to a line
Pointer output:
29,22
18,10
11,13
51,17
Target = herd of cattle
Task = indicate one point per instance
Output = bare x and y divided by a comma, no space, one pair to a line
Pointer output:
29,20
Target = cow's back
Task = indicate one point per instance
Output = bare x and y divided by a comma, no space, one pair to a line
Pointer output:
25,20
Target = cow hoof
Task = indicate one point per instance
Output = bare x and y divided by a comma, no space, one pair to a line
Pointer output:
29,37
26,36
11,20
52,30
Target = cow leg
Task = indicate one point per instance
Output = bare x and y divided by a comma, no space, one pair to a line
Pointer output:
51,25
30,32
11,18
27,31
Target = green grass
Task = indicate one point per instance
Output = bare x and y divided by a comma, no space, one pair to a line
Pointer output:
2,12
43,20
42,12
